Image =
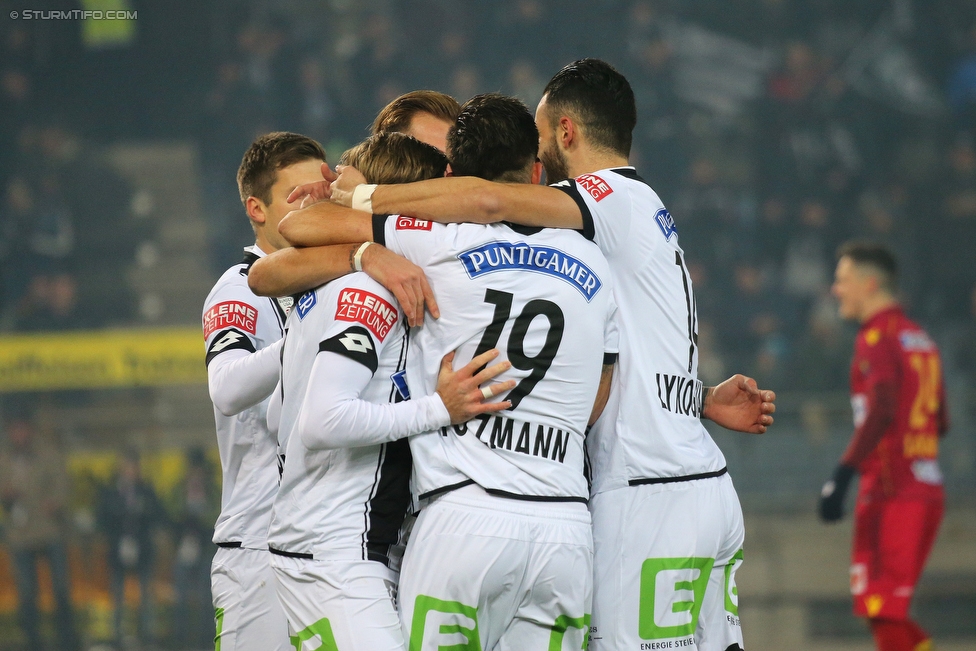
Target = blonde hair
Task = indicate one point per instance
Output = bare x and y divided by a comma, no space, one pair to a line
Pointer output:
393,157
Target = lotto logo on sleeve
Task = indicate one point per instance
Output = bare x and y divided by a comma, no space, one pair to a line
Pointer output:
596,186
411,224
230,314
368,309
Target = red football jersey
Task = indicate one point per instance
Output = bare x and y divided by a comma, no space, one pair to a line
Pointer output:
892,352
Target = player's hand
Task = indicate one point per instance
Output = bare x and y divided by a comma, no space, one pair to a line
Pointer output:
460,390
345,183
405,280
833,492
738,404
310,193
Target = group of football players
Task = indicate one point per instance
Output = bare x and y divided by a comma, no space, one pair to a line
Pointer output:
423,445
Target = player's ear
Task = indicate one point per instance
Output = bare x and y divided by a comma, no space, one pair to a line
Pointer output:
537,172
255,210
567,133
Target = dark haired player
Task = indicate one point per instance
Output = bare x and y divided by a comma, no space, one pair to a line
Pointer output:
899,408
243,342
344,413
501,554
667,524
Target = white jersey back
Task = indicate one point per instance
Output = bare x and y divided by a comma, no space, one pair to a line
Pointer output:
651,427
544,299
346,503
234,318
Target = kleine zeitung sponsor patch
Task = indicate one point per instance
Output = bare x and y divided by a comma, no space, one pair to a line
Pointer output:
359,306
412,224
230,314
595,186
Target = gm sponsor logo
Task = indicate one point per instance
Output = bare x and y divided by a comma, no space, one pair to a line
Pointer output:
519,256
666,223
305,303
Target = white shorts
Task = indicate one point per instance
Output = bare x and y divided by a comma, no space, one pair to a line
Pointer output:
338,604
665,558
246,609
484,572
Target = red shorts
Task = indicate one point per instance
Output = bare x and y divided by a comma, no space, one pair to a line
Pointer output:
892,539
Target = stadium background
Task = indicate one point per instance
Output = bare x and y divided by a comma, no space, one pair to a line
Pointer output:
772,129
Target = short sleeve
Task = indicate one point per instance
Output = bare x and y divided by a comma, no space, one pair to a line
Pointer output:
230,321
605,211
366,318
414,239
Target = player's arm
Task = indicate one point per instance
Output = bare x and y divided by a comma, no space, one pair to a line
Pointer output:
879,412
294,270
459,199
291,271
238,376
334,416
739,404
603,392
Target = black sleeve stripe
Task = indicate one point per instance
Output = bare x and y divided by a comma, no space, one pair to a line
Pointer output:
379,229
355,343
570,188
609,359
229,339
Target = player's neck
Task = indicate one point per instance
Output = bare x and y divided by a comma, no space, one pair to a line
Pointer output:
589,161
262,243
875,305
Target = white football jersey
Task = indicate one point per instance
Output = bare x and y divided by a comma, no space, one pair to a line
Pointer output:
544,299
236,322
651,427
342,503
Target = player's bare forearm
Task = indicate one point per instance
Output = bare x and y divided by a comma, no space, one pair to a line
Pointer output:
469,199
602,393
738,404
325,223
294,270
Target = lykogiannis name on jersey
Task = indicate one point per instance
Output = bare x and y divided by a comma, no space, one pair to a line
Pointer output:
519,256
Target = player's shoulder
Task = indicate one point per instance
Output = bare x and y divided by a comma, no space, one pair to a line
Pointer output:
912,338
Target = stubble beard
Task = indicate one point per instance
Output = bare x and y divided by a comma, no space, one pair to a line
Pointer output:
554,162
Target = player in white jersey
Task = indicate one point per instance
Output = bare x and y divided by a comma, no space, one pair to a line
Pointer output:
501,554
243,342
336,521
665,513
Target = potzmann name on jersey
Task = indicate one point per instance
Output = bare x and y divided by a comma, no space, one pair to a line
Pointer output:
506,433
229,314
519,256
368,309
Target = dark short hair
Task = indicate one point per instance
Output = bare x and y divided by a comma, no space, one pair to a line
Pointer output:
395,158
268,154
494,138
600,98
396,115
873,256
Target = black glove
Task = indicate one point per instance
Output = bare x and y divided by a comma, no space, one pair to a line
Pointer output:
833,492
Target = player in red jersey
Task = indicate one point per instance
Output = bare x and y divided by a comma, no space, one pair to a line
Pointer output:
899,408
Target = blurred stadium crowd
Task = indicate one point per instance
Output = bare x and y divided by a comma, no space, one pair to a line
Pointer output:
772,129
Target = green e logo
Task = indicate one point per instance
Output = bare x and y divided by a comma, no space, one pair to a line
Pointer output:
731,591
671,592
450,618
321,629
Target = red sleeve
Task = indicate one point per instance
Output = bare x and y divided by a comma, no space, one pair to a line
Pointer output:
881,394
